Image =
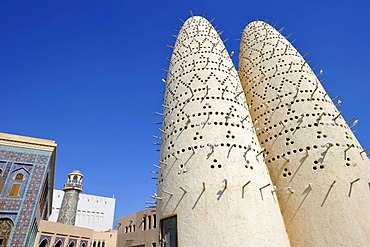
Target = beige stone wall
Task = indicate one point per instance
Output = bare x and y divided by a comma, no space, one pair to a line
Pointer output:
54,230
139,229
109,238
212,175
315,161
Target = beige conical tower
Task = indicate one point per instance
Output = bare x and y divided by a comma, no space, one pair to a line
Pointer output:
214,188
312,152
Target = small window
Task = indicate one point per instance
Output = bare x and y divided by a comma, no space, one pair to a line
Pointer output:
149,222
154,221
14,191
168,232
144,223
19,177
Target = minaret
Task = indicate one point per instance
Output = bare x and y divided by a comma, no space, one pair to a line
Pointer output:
214,188
311,149
72,189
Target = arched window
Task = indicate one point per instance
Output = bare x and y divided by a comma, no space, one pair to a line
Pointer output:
19,176
15,190
99,244
71,244
83,245
44,243
94,245
6,227
59,243
103,244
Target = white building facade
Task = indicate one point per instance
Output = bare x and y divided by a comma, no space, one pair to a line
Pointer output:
94,212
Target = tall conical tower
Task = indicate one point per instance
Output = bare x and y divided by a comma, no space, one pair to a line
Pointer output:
72,190
214,188
311,149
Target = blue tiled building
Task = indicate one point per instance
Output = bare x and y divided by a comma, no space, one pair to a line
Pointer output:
27,171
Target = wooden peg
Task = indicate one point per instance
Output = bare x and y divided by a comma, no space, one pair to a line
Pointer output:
243,187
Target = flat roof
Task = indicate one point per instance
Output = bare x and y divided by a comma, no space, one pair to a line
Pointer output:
27,142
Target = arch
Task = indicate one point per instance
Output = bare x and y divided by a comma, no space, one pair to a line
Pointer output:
6,227
71,244
44,243
19,176
83,245
59,243
94,244
103,244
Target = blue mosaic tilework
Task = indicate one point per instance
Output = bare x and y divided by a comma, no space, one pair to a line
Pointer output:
83,242
42,159
57,239
7,170
17,156
10,204
28,208
37,164
72,240
9,216
18,166
42,237
25,169
3,165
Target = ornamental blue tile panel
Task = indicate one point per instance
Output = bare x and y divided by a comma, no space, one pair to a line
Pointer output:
35,165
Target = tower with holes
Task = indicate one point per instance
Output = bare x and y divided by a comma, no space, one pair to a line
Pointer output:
320,170
213,185
72,190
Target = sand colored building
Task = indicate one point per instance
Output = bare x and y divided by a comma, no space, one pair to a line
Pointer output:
104,239
138,230
63,235
213,187
320,170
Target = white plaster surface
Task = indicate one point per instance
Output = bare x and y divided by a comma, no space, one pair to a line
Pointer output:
306,144
94,212
204,157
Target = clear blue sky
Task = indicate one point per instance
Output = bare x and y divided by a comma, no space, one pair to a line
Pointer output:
87,74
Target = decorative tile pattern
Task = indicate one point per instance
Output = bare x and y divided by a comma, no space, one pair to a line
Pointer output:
18,166
43,237
10,204
72,240
17,156
3,165
25,169
7,170
22,228
84,242
36,164
10,216
42,159
67,213
57,239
